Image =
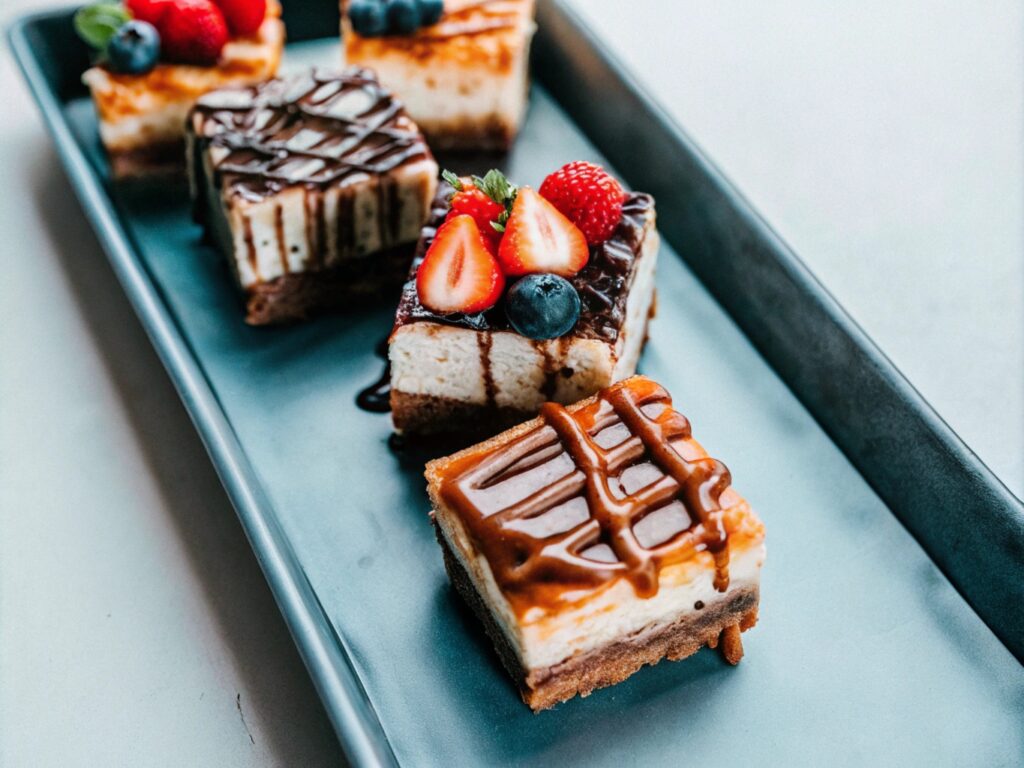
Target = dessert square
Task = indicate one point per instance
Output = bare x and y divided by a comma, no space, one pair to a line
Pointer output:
314,186
142,116
464,79
474,373
596,539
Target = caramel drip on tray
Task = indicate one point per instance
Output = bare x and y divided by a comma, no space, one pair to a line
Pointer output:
592,496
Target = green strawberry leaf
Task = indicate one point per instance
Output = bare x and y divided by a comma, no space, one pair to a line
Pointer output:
452,179
99,22
495,186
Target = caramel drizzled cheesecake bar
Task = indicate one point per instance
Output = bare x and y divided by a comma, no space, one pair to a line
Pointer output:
596,539
462,71
314,186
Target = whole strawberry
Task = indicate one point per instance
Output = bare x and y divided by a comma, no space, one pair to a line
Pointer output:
192,32
148,10
471,201
588,196
486,199
243,17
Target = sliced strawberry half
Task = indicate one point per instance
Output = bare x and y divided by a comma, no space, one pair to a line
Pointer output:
538,238
458,272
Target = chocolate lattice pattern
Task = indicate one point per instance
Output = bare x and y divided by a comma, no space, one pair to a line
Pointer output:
589,484
313,129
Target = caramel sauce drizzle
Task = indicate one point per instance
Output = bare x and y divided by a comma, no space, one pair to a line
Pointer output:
567,464
473,18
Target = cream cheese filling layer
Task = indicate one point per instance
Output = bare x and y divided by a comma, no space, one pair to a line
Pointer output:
543,640
274,236
445,361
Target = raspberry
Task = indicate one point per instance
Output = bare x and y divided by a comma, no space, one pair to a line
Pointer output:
588,196
148,10
192,32
243,17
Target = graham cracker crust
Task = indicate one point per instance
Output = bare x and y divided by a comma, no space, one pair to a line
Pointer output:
490,134
432,415
356,282
165,157
719,624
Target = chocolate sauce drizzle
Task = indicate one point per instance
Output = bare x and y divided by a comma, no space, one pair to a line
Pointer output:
592,495
315,129
603,284
313,132
376,398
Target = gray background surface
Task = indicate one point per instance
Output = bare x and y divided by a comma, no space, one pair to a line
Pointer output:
883,143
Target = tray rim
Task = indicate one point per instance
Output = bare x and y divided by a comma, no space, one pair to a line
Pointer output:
324,652
322,649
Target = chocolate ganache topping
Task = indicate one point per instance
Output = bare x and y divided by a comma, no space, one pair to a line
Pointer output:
592,495
603,284
314,129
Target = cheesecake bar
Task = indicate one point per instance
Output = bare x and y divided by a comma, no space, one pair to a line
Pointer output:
596,539
476,374
314,186
464,79
142,116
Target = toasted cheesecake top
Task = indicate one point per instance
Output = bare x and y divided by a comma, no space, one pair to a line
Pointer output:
482,34
314,129
612,488
603,284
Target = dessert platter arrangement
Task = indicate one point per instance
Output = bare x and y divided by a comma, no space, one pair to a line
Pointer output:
410,210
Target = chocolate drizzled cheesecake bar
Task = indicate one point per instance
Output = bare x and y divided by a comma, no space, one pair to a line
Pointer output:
596,539
475,373
314,186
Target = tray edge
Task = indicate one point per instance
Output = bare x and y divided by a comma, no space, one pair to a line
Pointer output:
325,655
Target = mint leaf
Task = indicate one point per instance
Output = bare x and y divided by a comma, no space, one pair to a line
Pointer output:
452,179
97,23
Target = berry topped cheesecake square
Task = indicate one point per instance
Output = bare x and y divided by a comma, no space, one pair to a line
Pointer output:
596,539
519,296
460,66
156,57
314,186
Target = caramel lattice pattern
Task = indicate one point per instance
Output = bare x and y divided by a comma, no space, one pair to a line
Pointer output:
520,558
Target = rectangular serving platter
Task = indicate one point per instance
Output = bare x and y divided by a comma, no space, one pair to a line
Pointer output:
892,621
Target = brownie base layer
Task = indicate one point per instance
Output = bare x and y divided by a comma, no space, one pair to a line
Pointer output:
718,625
416,414
165,157
300,295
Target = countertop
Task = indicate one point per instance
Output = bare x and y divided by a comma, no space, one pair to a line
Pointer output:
883,143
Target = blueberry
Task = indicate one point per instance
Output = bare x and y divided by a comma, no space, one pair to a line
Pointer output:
542,306
369,17
134,48
430,11
403,17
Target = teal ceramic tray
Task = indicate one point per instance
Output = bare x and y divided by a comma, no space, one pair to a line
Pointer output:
866,653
